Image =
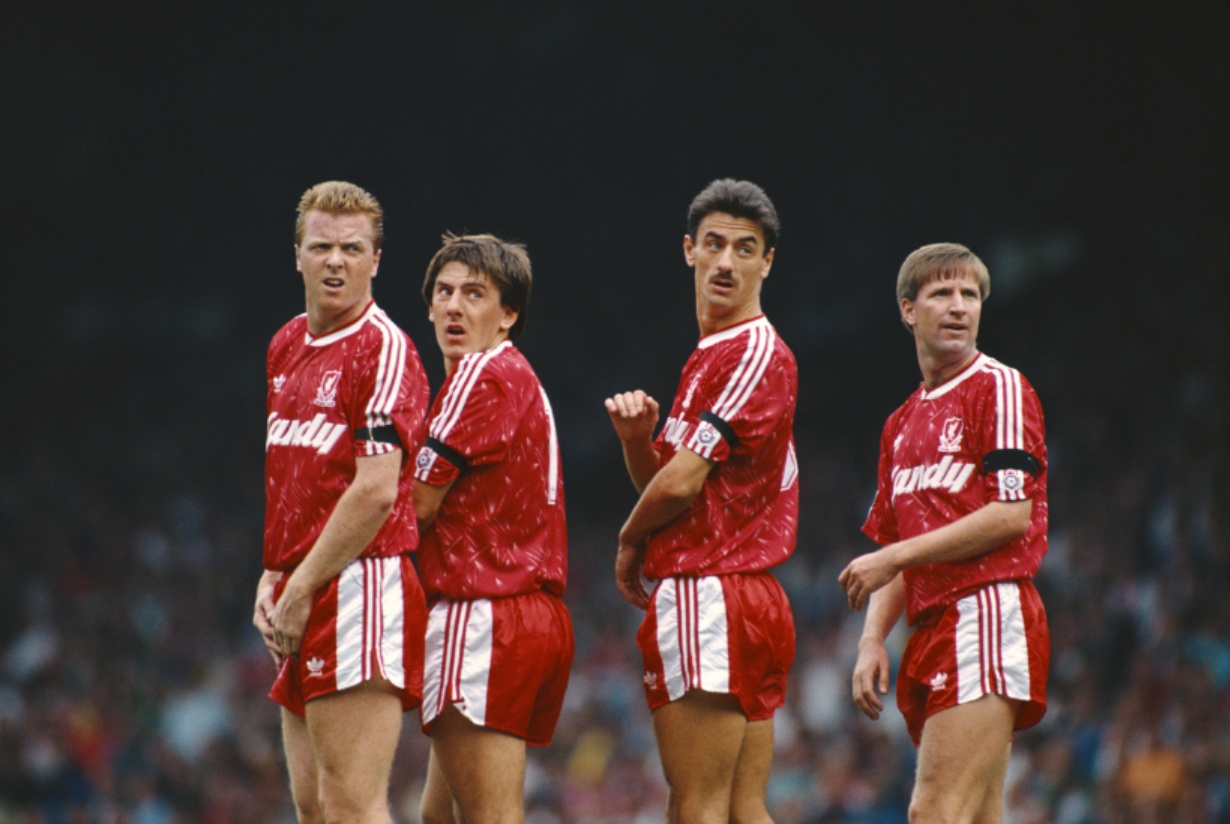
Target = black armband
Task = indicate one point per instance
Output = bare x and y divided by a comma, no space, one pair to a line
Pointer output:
379,434
448,453
998,459
721,426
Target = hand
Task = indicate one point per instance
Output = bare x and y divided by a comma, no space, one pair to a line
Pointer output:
628,562
865,574
633,414
262,612
870,677
289,619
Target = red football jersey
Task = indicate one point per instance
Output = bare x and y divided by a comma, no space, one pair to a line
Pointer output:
950,450
501,528
734,406
358,391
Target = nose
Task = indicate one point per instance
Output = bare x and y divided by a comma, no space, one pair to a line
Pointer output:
335,259
726,260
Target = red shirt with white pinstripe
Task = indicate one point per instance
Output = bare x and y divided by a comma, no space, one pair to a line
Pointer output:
935,453
357,391
501,529
735,407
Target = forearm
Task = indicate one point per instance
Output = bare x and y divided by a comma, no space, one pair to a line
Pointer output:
667,496
884,610
642,461
975,534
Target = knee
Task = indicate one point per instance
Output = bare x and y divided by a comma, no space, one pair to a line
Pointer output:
430,813
338,803
749,812
307,809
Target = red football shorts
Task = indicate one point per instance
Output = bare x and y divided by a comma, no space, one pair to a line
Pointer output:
367,623
994,640
728,634
503,663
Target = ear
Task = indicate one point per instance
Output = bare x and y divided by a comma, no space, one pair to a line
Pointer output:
376,263
510,318
689,251
907,313
298,260
768,264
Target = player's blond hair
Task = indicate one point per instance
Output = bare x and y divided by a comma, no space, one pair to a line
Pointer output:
505,264
939,261
337,197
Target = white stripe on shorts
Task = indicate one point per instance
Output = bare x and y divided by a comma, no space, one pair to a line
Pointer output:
992,654
457,665
692,639
370,620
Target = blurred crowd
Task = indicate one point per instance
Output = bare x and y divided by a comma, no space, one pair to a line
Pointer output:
132,685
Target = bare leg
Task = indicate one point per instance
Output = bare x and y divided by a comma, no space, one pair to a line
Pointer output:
752,775
354,738
437,805
301,764
961,763
700,737
484,769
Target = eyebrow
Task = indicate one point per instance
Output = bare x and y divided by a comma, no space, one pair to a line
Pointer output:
750,238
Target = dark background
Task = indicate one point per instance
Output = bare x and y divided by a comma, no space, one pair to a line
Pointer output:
153,156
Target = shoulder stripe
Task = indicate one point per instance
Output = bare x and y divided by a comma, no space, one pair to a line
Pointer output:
747,374
1009,420
464,380
390,371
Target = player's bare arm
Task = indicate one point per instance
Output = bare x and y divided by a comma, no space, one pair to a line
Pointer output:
664,499
262,611
358,516
977,533
635,416
427,501
870,679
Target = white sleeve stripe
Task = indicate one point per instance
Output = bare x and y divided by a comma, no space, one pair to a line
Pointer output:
764,352
746,376
553,446
1009,421
736,377
390,370
396,346
468,372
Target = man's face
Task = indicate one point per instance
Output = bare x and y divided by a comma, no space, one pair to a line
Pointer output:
944,317
730,261
338,259
466,311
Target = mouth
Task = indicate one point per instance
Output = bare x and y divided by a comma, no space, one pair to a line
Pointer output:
722,283
454,330
334,283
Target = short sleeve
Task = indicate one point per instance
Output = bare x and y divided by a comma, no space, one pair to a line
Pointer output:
388,398
1014,456
473,425
744,400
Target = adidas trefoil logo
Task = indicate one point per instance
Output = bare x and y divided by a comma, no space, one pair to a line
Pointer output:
939,680
651,680
316,666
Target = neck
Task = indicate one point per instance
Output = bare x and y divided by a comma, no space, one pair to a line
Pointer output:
936,372
710,322
321,324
